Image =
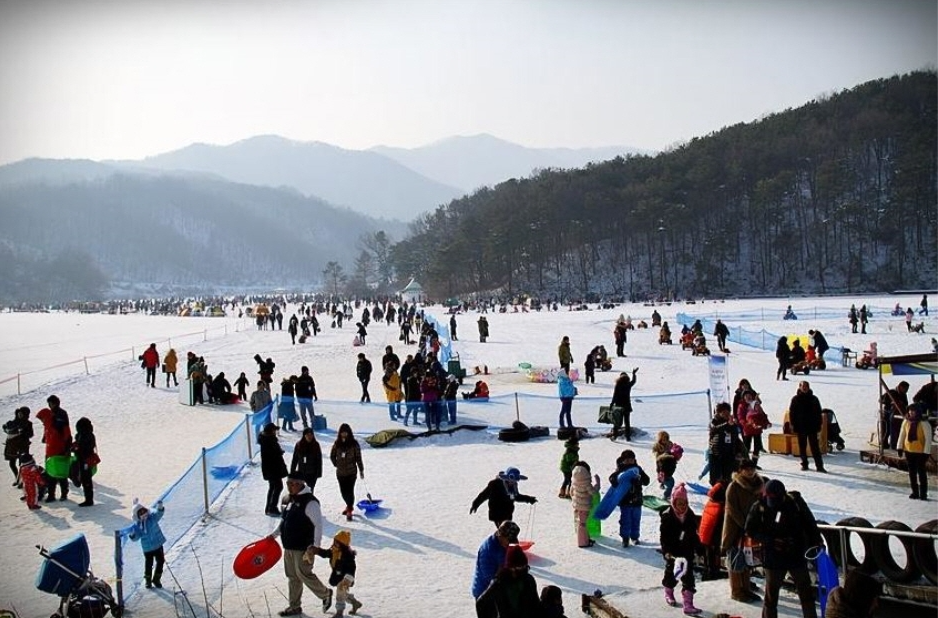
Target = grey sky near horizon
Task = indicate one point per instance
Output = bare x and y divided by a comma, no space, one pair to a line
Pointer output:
108,79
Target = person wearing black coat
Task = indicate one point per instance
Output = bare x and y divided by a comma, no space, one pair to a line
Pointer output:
19,433
721,332
622,398
805,415
783,355
273,468
307,459
85,447
502,493
724,444
820,343
363,372
785,526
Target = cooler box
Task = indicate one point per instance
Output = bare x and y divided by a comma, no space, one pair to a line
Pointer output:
781,443
319,422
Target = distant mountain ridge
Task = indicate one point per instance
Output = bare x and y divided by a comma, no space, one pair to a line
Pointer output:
481,160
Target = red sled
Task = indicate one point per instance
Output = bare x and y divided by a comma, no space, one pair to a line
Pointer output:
257,558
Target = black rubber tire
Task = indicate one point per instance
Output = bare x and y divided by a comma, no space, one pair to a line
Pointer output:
868,565
514,435
832,542
923,550
887,563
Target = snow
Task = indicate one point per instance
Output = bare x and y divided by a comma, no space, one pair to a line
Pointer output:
416,556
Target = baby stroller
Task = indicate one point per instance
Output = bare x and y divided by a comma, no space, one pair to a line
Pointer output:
66,574
833,430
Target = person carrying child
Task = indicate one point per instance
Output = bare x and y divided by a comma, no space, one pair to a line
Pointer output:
32,479
146,529
571,455
582,491
630,507
679,544
19,432
342,560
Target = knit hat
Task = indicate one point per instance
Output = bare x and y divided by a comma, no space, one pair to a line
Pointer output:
344,537
774,492
296,478
679,493
26,459
747,464
515,557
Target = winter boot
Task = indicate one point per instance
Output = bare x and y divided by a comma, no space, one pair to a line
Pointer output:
669,597
562,493
739,587
356,604
689,609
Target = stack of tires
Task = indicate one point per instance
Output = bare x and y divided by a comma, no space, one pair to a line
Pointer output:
916,557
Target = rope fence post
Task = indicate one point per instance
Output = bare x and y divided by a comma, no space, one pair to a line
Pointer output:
517,408
205,335
85,358
205,479
247,430
18,391
119,568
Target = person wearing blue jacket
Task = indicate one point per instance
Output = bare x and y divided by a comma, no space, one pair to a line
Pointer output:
567,392
491,556
146,529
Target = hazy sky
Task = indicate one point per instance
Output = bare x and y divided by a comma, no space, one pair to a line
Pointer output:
128,78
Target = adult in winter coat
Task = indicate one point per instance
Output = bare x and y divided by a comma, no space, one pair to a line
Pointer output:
390,359
785,526
57,436
483,329
393,391
170,362
853,318
265,368
260,398
805,415
502,493
431,391
151,360
864,319
711,530
85,449
744,491
300,531
221,390
915,440
305,388
724,444
513,592
491,556
783,356
363,372
820,343
622,398
346,456
564,354
582,489
19,432
679,541
452,328
857,598
566,391
273,468
286,410
307,459
721,332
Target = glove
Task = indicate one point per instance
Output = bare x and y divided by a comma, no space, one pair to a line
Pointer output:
533,500
159,505
680,567
309,555
472,510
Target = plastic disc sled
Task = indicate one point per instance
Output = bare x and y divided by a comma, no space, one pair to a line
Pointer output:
257,558
525,545
369,506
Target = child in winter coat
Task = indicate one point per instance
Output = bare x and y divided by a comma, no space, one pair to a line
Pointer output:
630,507
679,544
31,477
571,455
665,462
85,448
242,384
146,529
342,560
582,491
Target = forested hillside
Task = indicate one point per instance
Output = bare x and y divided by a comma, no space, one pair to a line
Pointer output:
836,196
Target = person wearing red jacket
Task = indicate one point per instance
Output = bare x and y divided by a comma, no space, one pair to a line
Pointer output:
57,436
150,361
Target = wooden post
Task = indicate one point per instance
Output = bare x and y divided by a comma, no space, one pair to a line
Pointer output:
205,479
